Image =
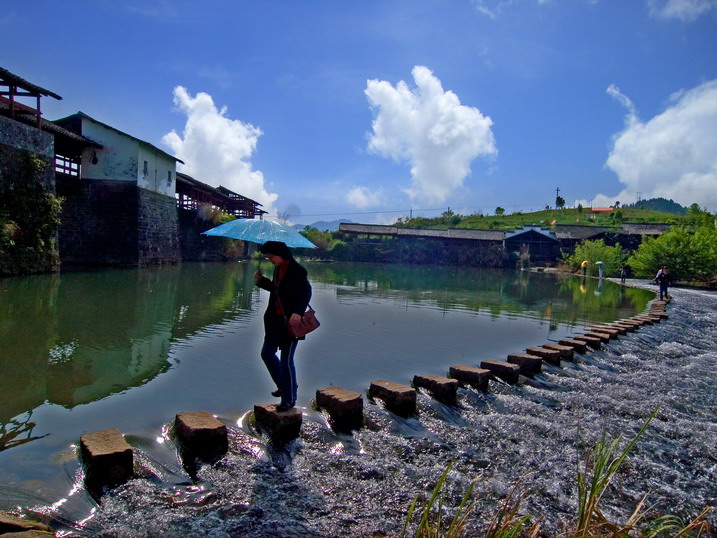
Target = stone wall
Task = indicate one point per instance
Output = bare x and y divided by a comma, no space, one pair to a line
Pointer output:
99,222
106,222
157,228
198,247
28,227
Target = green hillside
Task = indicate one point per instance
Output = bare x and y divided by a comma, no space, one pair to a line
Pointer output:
547,218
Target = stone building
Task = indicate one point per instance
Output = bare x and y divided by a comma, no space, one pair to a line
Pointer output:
120,209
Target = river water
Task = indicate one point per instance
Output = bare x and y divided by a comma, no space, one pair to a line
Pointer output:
129,349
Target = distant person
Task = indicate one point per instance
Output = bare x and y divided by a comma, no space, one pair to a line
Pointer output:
584,267
289,295
663,279
623,273
601,269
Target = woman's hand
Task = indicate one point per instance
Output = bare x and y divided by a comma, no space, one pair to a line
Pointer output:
258,274
294,319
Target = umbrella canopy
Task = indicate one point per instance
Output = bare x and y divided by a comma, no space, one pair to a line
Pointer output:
261,231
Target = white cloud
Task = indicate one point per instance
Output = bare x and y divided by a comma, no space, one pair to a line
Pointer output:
362,198
685,10
428,128
673,155
217,149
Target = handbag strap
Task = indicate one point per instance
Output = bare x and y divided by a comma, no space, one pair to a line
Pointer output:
286,319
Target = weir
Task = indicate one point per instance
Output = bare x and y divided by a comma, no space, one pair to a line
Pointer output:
108,458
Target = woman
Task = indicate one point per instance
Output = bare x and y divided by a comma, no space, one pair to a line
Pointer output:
289,294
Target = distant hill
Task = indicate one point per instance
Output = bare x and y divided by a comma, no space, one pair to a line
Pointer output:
326,226
659,204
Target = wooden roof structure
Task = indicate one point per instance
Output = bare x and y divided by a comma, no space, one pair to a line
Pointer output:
13,86
191,193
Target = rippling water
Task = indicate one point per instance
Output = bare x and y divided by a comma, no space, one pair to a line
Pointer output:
536,433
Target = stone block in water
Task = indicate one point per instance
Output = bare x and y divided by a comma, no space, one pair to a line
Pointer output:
592,341
477,378
552,356
627,327
603,337
345,408
108,459
510,373
566,352
201,436
528,364
577,345
612,334
11,525
441,388
281,426
401,399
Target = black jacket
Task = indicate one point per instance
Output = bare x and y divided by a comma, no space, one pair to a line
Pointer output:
294,290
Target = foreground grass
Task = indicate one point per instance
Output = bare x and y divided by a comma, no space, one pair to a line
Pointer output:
601,464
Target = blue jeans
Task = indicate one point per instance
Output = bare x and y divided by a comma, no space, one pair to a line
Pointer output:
281,369
663,291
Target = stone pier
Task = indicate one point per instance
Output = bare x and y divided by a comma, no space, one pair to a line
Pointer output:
344,407
281,426
592,341
201,437
108,459
551,356
510,373
400,399
577,345
528,364
567,353
603,337
441,388
477,378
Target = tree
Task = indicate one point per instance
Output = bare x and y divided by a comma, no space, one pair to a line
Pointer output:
559,202
499,210
690,254
596,251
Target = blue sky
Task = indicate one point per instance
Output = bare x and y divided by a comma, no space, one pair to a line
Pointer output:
368,110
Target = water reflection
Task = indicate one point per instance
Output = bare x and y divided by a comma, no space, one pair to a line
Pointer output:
76,338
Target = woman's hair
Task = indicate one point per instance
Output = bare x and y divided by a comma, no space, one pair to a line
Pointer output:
277,248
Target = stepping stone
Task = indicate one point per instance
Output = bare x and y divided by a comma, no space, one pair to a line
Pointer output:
577,345
108,459
401,399
549,355
468,375
510,373
603,337
441,388
611,334
281,426
201,436
566,352
529,364
592,341
345,408
20,526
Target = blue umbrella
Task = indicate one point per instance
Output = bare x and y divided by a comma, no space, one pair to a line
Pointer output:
261,231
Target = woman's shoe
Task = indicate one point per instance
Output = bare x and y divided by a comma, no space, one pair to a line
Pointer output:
284,406
278,393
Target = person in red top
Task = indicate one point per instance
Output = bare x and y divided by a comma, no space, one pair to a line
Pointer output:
289,295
